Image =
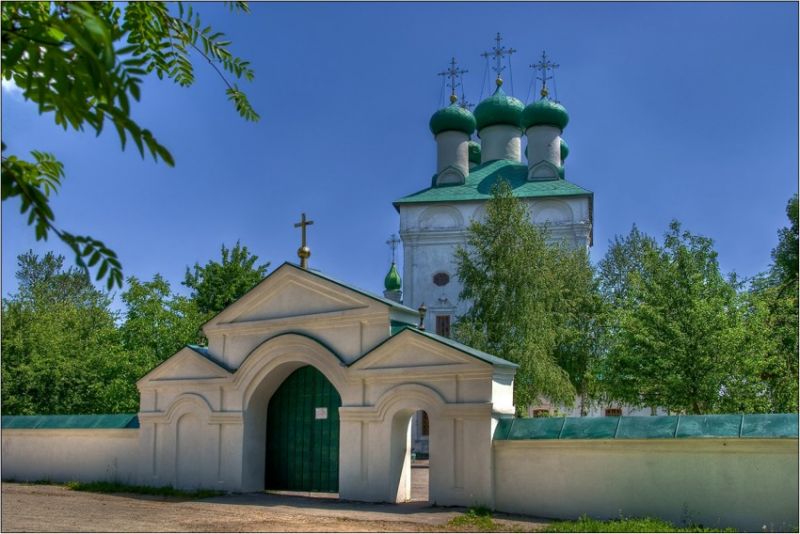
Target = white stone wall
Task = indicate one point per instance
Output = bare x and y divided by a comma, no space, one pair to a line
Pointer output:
62,455
748,484
431,233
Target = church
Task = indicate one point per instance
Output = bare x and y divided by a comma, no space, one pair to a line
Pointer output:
311,384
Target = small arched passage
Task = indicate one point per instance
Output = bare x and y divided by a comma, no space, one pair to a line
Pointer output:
398,405
261,375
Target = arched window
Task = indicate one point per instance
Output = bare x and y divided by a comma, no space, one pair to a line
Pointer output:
441,279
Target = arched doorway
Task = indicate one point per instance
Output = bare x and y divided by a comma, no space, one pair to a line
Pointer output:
302,452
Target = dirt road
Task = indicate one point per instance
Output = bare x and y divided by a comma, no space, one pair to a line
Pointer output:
27,508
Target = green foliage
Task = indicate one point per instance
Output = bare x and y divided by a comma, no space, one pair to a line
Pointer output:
217,284
773,301
61,348
678,333
83,62
646,524
531,302
476,519
157,322
165,491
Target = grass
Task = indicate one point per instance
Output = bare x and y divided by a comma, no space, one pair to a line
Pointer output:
477,519
165,491
645,524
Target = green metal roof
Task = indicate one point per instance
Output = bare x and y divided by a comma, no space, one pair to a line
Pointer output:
474,152
480,181
392,282
644,427
544,112
121,420
499,109
453,117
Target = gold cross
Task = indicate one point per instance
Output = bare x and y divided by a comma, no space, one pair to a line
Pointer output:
303,252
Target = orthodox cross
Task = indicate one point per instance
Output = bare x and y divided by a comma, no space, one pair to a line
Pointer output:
498,52
543,66
303,252
463,103
453,72
393,242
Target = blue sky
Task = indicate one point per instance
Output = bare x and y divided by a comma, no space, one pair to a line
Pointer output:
678,110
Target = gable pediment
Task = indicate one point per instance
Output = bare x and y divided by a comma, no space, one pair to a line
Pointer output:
289,292
186,364
408,350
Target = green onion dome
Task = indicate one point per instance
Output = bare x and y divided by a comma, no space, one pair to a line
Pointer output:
564,150
545,112
453,117
474,152
392,281
499,109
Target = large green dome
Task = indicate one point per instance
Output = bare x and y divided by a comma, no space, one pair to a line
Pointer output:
392,281
474,152
499,109
545,112
564,150
452,117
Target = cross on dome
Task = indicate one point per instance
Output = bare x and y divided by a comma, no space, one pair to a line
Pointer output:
393,241
303,252
543,66
497,53
453,73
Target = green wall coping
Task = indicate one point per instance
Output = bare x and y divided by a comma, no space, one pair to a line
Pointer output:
649,427
120,420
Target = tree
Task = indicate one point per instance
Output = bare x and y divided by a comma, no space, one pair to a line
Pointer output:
157,322
83,63
217,284
61,348
773,299
528,301
679,336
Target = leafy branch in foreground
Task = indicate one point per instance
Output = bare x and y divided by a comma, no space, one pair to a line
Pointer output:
84,62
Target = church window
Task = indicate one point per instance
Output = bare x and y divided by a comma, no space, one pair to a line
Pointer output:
426,424
541,413
443,325
613,412
441,279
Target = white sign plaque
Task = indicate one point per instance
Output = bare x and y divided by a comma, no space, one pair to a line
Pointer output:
320,413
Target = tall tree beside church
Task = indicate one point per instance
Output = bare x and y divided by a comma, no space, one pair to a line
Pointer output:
528,301
217,284
679,334
774,301
61,347
157,322
83,64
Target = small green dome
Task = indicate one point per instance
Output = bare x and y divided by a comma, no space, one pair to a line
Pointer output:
474,152
564,150
452,117
499,109
392,281
545,112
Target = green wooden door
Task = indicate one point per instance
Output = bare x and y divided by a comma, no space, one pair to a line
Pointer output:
303,434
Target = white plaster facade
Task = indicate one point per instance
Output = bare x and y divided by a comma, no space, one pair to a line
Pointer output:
203,416
432,232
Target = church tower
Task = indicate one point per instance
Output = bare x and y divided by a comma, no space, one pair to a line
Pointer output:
434,221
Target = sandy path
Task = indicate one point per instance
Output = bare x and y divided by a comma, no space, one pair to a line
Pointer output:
28,508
